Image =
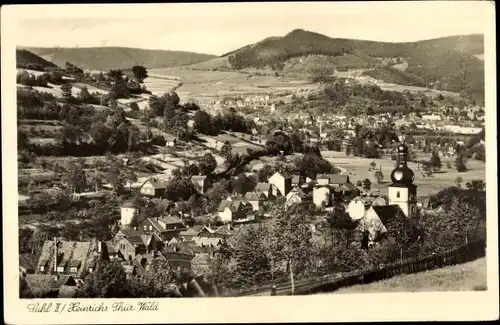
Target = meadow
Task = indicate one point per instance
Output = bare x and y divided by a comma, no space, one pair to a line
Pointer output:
469,276
206,83
358,169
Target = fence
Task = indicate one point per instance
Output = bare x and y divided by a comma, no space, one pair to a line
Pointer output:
328,283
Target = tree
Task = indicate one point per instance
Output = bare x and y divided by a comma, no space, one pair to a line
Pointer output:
115,75
476,185
290,235
196,204
253,266
107,281
435,161
203,123
179,189
76,178
320,72
134,107
169,117
207,164
367,184
66,90
310,165
226,150
379,176
265,172
158,281
348,150
460,162
84,95
459,181
244,184
140,73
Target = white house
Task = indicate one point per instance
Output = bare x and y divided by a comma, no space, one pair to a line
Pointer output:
282,182
170,141
321,196
358,206
127,213
270,191
296,195
234,210
254,199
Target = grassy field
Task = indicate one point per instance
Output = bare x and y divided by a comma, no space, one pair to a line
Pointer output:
238,145
358,169
469,276
218,83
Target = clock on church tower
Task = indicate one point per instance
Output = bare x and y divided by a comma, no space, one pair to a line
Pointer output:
402,191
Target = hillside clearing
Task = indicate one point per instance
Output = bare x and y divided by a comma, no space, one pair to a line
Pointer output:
469,276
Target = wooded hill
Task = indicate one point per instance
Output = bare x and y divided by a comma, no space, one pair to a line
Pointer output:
105,58
447,63
28,60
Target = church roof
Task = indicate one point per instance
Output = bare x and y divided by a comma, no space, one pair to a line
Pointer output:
386,212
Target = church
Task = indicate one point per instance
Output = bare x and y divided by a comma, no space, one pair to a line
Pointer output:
402,200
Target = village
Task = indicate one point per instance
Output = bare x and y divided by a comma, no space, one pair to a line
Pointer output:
231,193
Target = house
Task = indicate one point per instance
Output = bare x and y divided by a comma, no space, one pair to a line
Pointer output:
165,227
220,232
358,206
27,263
269,190
322,196
200,183
208,241
424,203
189,233
232,210
332,179
50,286
153,188
130,247
254,199
170,141
296,180
296,195
68,257
282,182
125,232
127,212
374,221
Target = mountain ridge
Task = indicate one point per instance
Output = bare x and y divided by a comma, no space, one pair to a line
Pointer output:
117,57
447,63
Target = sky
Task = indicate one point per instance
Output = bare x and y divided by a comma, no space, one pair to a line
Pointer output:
218,28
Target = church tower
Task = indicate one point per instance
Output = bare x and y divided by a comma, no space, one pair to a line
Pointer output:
402,191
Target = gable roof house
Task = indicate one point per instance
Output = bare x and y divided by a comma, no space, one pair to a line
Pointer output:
358,206
269,190
254,199
332,179
296,195
27,263
165,227
50,286
153,188
234,210
200,183
374,221
131,246
68,257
